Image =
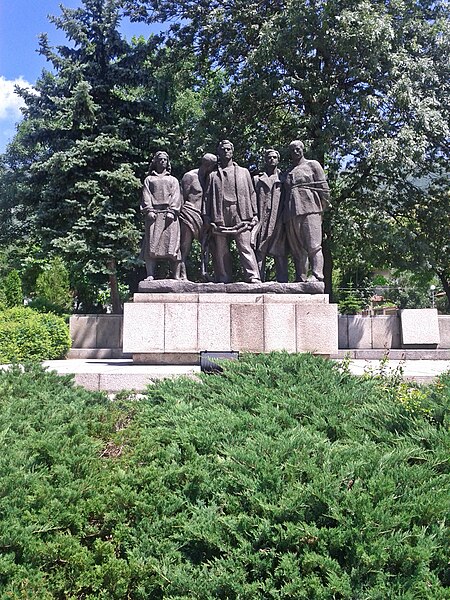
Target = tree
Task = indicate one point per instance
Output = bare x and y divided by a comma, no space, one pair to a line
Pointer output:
364,84
73,170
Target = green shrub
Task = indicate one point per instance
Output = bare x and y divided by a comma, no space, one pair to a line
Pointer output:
351,301
53,286
282,478
45,306
28,335
11,290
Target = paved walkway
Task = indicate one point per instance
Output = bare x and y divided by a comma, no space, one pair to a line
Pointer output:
113,375
421,371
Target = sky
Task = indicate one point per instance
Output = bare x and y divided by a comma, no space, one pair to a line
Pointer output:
21,22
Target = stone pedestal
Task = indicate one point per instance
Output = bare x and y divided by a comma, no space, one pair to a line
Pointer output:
177,326
419,328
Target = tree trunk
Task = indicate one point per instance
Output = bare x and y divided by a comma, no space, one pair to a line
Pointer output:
446,285
114,288
327,256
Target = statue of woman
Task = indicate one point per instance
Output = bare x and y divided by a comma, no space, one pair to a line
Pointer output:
161,204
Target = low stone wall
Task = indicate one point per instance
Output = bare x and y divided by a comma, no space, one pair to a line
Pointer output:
444,331
423,328
100,336
96,336
356,331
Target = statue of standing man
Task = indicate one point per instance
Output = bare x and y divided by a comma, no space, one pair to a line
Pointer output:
193,188
231,212
306,197
271,238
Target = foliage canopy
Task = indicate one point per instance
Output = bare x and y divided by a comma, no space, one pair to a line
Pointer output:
364,84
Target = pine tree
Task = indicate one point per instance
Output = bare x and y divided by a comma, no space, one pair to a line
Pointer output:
77,159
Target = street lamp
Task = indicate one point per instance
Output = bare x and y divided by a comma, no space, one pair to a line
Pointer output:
432,290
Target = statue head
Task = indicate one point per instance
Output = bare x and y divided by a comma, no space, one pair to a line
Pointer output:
225,150
271,157
296,149
209,162
160,162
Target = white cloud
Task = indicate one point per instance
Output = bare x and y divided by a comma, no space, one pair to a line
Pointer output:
10,102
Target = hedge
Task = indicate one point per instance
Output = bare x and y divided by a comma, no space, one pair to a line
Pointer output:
28,335
282,478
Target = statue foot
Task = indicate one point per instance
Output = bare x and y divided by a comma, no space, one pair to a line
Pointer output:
254,280
149,278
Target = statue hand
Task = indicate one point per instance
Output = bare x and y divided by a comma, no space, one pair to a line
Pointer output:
151,215
170,216
254,221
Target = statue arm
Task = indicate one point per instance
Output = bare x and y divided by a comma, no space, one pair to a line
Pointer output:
147,200
253,199
184,185
323,190
174,203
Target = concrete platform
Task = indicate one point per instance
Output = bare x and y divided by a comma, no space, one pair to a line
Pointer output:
115,375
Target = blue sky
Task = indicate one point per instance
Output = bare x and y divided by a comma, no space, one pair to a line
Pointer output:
21,22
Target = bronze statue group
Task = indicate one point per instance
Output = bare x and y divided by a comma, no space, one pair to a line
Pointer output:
272,214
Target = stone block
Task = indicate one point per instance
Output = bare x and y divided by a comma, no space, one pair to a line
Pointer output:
181,327
359,331
167,358
231,298
83,331
343,331
247,330
143,327
317,328
164,298
419,327
444,331
296,298
279,327
179,286
385,331
109,331
214,328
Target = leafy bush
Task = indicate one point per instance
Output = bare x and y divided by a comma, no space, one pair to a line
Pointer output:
282,478
45,306
11,290
28,335
53,286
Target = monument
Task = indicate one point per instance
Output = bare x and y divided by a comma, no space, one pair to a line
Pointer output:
173,320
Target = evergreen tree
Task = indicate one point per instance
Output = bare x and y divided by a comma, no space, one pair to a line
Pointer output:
74,168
